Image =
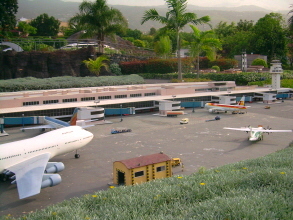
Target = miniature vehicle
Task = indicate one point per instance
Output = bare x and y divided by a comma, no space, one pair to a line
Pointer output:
216,119
267,107
114,131
175,162
184,121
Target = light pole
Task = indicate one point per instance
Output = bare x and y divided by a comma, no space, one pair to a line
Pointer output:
97,101
193,105
121,113
174,96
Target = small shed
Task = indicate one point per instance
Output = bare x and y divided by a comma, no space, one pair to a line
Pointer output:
142,169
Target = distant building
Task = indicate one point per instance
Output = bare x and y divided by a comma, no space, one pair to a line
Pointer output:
250,58
141,169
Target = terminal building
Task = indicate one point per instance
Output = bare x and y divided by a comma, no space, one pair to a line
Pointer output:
129,99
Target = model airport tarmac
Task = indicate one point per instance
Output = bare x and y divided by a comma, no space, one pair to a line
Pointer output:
197,144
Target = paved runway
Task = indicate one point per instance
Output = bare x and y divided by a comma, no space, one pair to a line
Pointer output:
198,144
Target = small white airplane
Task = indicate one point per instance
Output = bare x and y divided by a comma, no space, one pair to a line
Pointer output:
53,123
26,161
256,134
216,108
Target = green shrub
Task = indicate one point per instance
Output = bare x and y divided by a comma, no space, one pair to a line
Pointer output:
217,68
114,68
44,47
224,64
259,62
132,67
287,83
239,78
160,66
31,83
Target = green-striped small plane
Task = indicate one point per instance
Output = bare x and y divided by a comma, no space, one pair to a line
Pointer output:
256,134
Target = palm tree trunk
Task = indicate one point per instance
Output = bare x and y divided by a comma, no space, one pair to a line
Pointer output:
197,66
179,58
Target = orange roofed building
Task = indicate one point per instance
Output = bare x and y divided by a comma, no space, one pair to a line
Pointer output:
141,169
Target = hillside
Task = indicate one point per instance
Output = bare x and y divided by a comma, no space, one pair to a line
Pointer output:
65,10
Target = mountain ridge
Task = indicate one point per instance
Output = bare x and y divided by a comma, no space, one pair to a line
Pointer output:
30,9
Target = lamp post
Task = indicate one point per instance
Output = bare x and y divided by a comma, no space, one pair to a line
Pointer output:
121,113
97,101
192,105
174,96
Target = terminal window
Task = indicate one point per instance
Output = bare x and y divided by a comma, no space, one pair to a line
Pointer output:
30,103
139,173
105,97
70,100
150,94
135,95
97,112
50,101
87,99
120,96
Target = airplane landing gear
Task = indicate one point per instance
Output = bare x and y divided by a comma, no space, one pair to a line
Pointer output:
76,155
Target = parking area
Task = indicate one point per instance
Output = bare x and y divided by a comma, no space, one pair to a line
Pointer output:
198,144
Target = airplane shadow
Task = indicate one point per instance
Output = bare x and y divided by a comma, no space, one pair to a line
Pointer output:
16,204
243,143
6,186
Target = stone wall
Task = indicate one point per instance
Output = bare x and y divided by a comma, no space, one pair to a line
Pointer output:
44,64
41,64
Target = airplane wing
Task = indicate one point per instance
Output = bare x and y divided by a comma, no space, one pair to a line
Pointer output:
238,129
257,129
29,174
38,127
268,131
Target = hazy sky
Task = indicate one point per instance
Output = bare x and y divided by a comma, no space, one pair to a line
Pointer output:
268,4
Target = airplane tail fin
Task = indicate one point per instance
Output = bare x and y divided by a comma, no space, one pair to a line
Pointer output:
74,117
242,101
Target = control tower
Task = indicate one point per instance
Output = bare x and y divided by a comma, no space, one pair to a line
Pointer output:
276,70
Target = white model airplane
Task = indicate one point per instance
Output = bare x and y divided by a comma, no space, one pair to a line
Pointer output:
216,108
26,161
53,123
256,134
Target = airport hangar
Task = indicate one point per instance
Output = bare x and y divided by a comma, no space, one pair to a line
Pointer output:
130,99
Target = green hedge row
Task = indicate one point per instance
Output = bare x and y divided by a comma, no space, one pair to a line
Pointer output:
164,66
31,83
239,78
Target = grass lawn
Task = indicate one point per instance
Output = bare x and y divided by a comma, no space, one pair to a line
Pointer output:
260,188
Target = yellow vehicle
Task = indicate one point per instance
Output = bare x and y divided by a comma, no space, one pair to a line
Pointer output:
184,121
176,162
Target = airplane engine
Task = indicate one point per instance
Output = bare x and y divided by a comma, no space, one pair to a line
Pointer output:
54,167
211,110
50,180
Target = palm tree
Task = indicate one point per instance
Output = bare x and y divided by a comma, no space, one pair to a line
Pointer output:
95,66
290,20
163,47
203,41
98,19
176,18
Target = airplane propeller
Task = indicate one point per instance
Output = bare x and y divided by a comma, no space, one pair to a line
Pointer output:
268,128
248,127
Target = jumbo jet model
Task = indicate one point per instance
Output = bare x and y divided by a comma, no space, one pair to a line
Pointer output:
26,161
53,123
256,134
216,108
